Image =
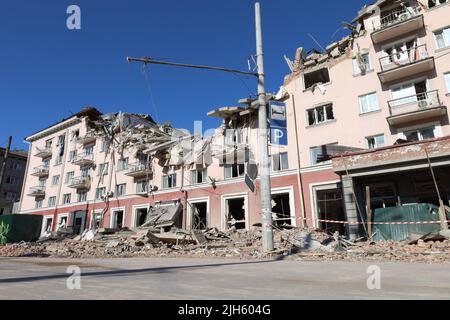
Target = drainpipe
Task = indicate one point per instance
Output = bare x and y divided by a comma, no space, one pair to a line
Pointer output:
61,181
299,175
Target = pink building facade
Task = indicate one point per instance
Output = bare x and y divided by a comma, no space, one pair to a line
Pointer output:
388,82
74,179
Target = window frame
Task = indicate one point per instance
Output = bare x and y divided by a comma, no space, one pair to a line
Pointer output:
367,96
67,198
315,109
51,203
355,65
123,188
194,176
376,146
447,81
279,161
172,178
445,38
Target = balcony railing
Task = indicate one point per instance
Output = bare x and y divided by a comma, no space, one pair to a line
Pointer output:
138,169
40,171
418,102
44,152
402,58
37,191
83,159
397,17
80,183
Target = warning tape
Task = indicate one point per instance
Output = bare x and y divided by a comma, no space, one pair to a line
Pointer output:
374,223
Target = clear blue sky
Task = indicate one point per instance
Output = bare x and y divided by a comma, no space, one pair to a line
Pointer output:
48,72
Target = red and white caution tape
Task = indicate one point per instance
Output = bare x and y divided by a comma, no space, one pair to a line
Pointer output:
374,223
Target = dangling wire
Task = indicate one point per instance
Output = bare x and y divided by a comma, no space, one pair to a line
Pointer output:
149,87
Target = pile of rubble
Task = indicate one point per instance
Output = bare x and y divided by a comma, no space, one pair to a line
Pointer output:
293,244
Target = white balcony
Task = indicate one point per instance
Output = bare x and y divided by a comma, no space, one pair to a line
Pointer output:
37,191
43,153
80,183
397,23
41,171
137,170
83,160
404,64
422,106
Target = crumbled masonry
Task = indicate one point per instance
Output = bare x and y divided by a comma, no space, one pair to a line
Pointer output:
291,244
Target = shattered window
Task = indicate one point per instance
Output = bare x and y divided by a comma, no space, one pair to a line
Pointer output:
169,181
199,176
120,190
361,64
280,162
435,3
66,198
234,170
89,150
122,164
48,225
38,203
48,143
375,142
100,192
320,114
72,155
61,140
316,77
142,186
103,169
82,196
420,134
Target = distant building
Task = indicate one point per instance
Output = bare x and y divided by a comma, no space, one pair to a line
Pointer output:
11,188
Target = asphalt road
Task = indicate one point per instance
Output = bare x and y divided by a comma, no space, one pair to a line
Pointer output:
198,279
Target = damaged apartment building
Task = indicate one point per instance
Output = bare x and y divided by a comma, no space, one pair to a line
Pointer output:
361,125
367,117
117,170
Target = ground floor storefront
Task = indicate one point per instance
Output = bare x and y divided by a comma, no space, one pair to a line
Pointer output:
221,206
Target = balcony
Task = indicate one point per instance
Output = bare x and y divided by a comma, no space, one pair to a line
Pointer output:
83,160
137,170
80,183
413,108
397,23
43,153
41,171
86,139
37,191
404,64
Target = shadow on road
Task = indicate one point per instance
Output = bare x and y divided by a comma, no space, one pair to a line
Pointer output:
130,272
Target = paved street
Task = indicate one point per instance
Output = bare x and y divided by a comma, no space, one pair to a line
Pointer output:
158,278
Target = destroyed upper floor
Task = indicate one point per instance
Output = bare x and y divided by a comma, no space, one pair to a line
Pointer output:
376,26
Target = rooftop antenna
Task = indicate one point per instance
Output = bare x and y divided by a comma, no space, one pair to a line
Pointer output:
317,42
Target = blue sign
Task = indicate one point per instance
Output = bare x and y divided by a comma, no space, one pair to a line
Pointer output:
278,114
278,123
278,136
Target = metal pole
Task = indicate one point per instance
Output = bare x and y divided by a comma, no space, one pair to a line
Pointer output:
266,206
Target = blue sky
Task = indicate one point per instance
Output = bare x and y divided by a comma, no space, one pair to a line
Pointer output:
48,72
